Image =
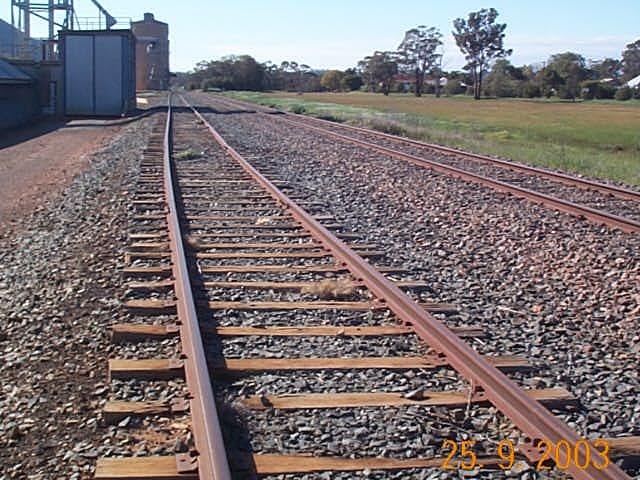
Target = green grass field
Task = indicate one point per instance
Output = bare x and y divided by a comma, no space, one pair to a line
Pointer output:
595,138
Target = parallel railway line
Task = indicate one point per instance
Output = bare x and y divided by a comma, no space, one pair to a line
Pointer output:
609,189
256,287
607,204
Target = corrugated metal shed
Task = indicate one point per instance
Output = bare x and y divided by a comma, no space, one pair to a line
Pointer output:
99,72
11,74
14,44
18,96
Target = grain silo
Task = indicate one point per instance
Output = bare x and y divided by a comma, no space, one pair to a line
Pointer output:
152,53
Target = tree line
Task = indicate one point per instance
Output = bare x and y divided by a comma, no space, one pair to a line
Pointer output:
416,66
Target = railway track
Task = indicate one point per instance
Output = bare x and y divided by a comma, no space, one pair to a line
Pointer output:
254,287
606,204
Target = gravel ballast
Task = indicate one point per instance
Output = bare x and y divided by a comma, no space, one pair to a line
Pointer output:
559,290
358,433
591,198
59,291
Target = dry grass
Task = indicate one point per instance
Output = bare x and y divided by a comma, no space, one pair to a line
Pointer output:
589,123
187,155
330,288
595,138
193,242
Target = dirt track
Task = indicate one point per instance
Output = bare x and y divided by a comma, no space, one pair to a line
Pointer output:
36,163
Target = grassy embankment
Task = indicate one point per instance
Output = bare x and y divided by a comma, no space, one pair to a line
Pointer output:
596,138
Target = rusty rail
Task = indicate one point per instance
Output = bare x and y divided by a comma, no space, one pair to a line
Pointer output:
597,216
528,415
620,192
211,460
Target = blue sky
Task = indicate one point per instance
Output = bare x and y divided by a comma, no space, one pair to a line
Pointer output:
336,34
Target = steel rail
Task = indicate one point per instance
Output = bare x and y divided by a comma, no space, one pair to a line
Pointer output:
620,192
528,415
597,216
211,455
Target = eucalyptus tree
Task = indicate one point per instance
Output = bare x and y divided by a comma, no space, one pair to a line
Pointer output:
631,60
418,53
480,39
504,80
607,68
564,72
332,80
351,80
302,71
379,69
272,76
293,75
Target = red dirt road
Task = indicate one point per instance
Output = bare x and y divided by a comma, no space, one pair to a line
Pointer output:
38,164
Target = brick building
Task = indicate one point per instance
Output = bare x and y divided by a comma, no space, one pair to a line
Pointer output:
152,53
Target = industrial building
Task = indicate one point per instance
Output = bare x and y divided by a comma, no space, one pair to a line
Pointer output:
83,67
99,71
152,53
18,96
15,44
